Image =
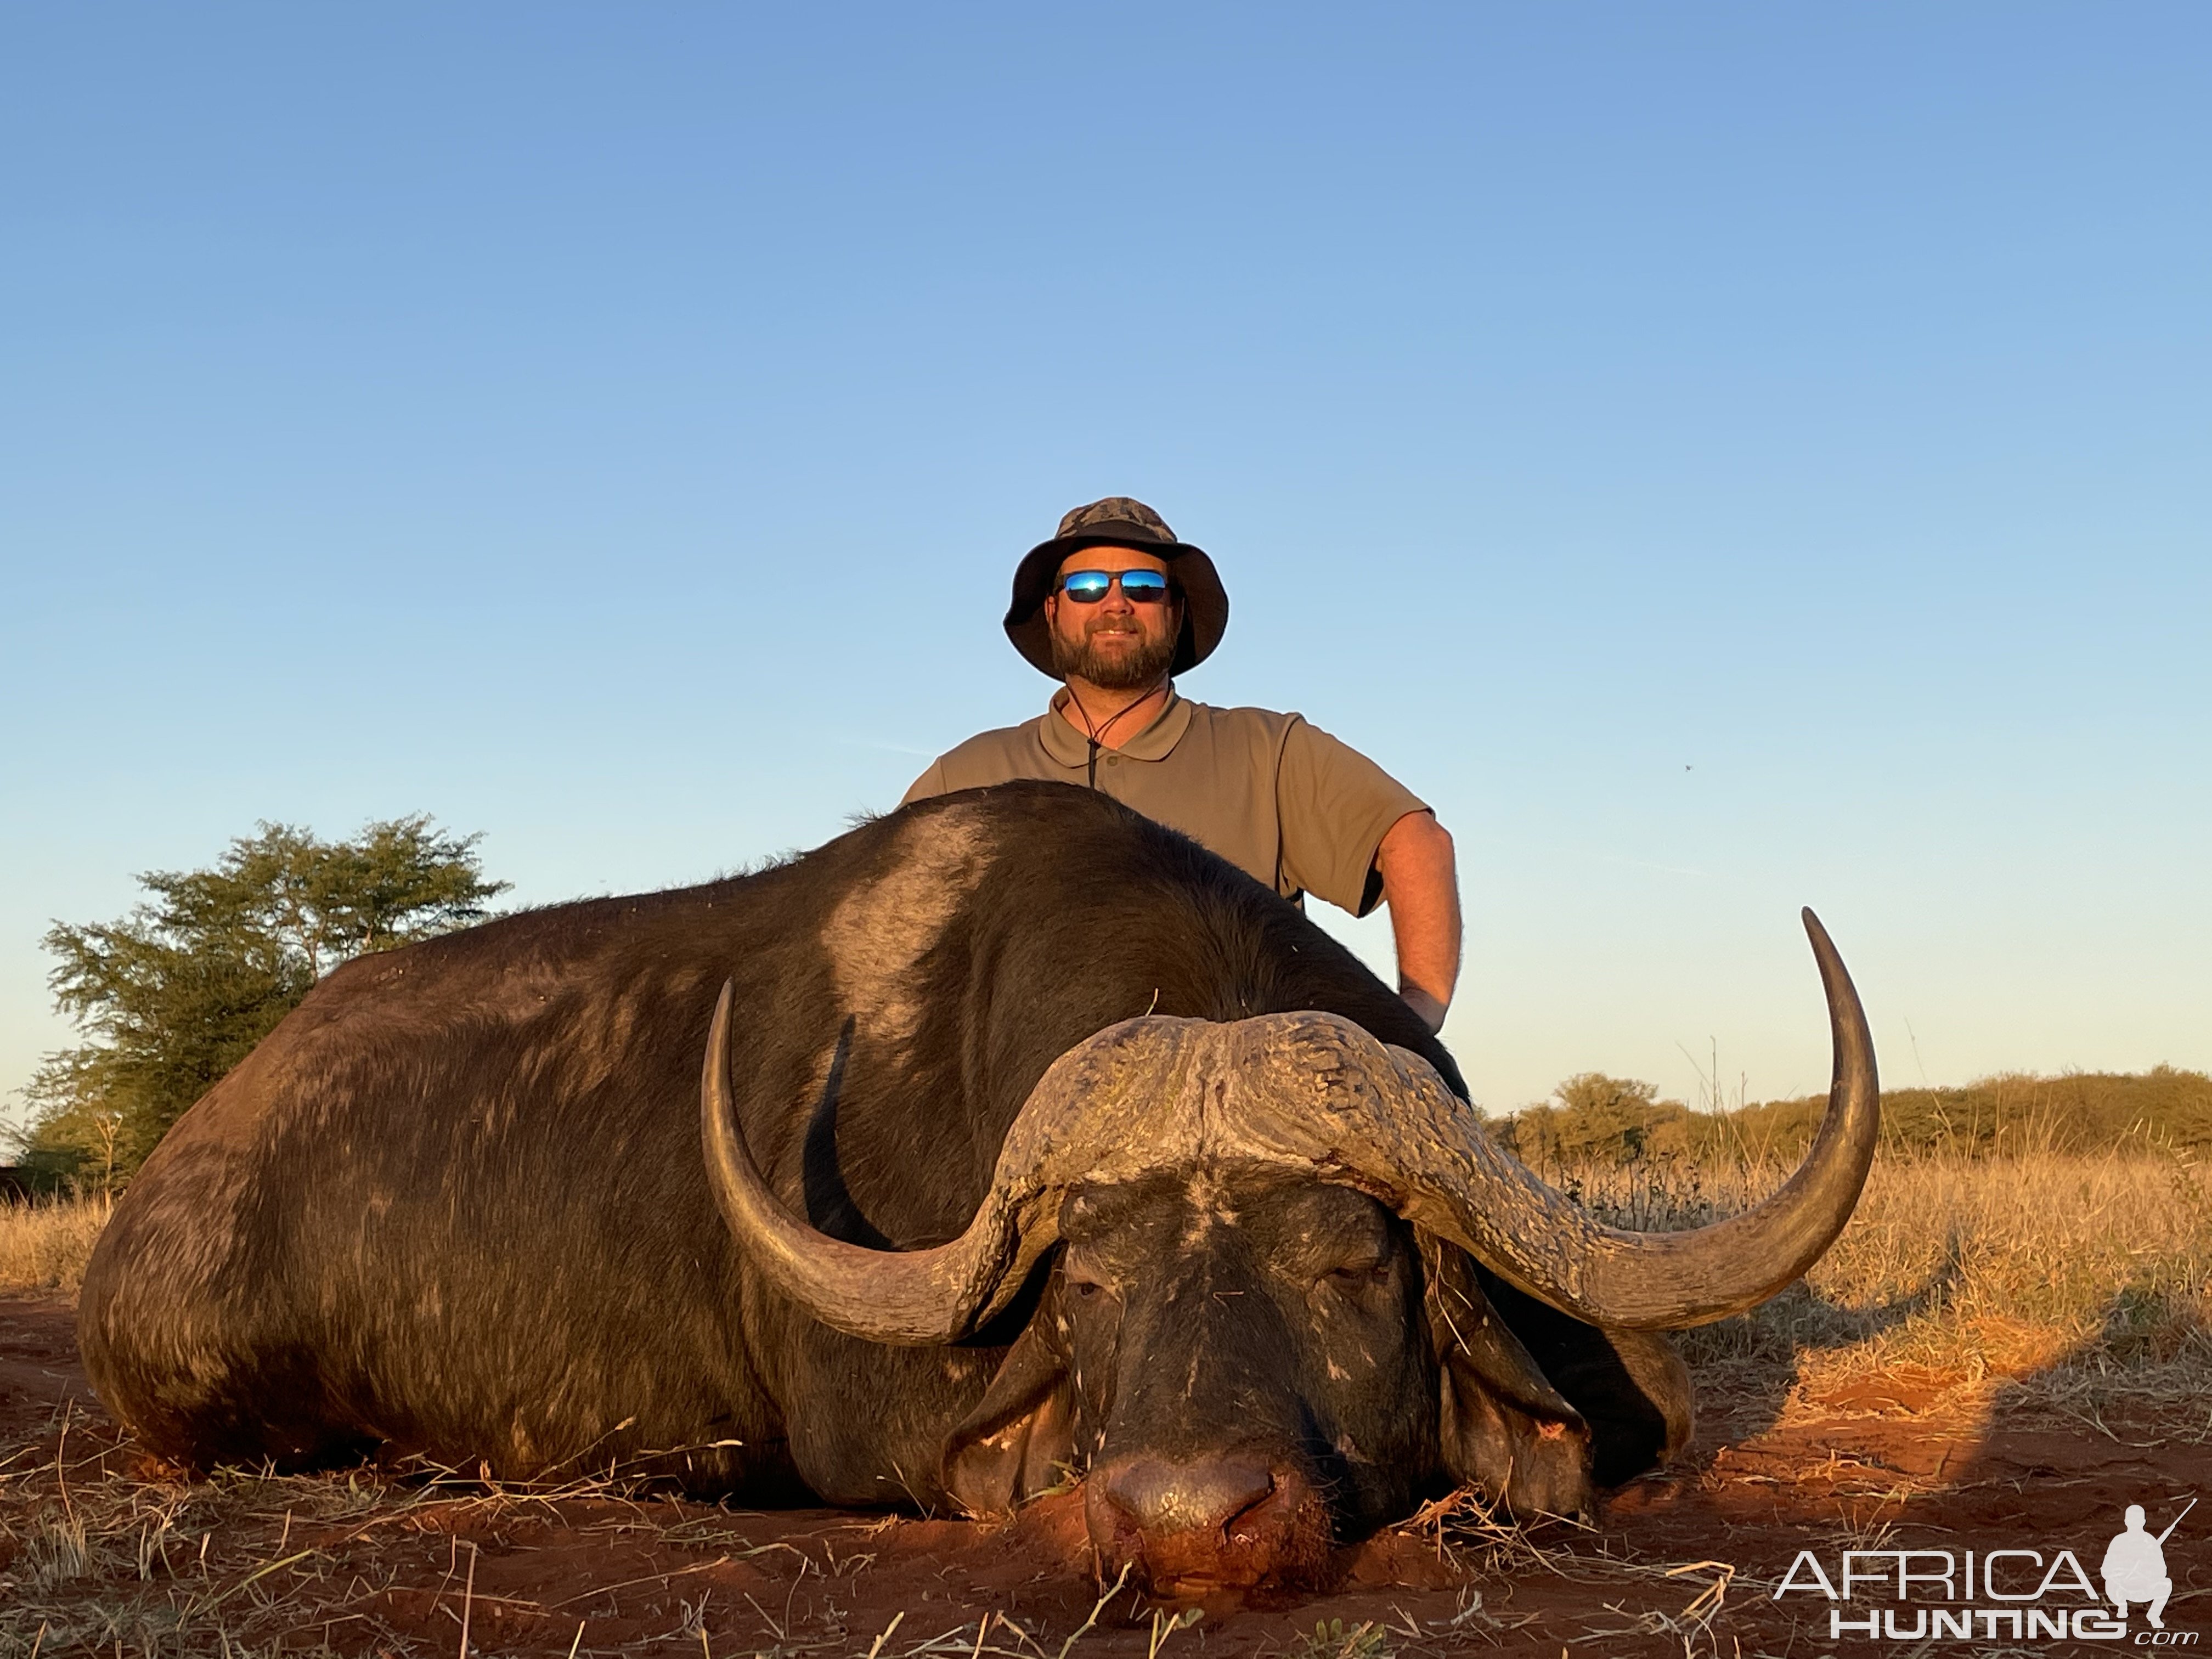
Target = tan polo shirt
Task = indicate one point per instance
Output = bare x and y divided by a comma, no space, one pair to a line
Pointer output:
1279,797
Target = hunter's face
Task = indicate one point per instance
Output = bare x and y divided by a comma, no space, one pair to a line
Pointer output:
1113,642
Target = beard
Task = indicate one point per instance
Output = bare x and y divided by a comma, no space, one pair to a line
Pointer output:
1123,670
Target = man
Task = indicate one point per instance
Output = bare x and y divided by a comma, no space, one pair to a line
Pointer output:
1114,606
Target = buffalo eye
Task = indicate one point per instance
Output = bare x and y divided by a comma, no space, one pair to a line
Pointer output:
1359,1275
1086,1286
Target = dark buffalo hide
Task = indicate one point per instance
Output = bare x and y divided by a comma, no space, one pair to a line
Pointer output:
455,1203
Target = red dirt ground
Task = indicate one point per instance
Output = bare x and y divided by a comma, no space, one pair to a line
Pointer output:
1680,1562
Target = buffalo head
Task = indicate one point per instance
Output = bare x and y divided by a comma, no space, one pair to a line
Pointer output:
1288,1285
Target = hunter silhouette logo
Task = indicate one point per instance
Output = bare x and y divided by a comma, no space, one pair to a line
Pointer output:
2135,1566
2007,1593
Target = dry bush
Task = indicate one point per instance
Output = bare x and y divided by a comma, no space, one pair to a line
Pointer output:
45,1244
2064,1264
2012,1115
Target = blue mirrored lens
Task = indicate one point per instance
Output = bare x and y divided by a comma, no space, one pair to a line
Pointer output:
1140,586
1087,586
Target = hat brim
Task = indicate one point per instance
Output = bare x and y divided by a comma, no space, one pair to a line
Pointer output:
1204,601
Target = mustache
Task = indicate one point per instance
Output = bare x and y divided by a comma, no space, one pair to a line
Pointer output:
1140,663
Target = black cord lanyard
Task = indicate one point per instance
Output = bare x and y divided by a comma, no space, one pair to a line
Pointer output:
1096,733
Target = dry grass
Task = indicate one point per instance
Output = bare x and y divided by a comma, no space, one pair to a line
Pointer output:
95,1559
2075,1267
104,1562
45,1244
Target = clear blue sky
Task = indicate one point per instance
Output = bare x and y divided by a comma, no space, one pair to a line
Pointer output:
1724,456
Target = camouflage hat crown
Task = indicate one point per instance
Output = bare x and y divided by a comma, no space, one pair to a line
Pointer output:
1114,513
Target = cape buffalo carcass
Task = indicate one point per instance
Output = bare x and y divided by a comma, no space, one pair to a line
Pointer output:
1037,1141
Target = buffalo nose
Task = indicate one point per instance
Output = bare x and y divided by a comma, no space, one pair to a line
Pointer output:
1206,1526
1163,1497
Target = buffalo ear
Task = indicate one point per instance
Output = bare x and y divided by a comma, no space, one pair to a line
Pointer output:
1631,1385
1019,1441
1500,1424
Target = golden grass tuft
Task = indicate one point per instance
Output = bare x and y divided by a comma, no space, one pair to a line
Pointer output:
45,1244
2067,1266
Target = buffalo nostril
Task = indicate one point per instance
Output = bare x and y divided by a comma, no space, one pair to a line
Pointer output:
1164,1497
1198,1527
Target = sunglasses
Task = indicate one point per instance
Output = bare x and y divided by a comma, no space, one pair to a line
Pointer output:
1138,586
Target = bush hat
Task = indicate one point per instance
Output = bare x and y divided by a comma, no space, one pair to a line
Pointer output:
1119,521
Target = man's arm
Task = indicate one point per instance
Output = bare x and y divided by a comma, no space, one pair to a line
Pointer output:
1331,799
1421,883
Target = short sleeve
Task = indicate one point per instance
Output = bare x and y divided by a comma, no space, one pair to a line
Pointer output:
930,783
1336,805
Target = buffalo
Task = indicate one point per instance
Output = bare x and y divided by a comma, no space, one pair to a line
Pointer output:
1032,1142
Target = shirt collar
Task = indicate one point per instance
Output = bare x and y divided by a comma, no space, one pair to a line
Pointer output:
1067,745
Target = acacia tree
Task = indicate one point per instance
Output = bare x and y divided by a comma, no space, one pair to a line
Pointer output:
178,991
1600,1119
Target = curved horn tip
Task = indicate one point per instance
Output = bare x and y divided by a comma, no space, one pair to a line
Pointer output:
1827,958
715,1075
714,1080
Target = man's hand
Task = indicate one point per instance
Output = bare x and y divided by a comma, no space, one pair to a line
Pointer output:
1421,883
